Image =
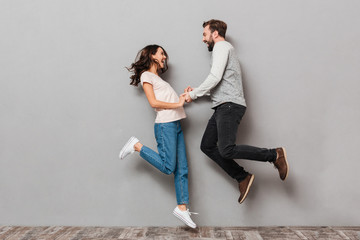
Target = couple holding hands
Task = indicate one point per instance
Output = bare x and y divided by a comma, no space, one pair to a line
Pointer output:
224,85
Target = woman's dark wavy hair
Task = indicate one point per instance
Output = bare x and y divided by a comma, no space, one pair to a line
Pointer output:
143,62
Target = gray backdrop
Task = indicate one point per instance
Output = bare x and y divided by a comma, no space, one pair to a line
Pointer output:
67,108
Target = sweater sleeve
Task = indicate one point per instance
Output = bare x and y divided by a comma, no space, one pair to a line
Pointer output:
219,61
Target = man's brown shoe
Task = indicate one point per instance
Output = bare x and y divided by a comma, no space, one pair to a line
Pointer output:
281,163
244,187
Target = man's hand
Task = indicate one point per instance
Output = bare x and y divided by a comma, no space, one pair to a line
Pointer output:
187,95
188,89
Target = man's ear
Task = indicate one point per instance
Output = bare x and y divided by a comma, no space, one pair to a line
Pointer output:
215,34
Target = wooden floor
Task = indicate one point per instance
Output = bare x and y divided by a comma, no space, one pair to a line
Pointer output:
112,233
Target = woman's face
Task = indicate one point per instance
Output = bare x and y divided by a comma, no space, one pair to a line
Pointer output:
160,57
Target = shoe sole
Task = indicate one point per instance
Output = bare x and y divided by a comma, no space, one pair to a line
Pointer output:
183,220
287,164
121,154
248,188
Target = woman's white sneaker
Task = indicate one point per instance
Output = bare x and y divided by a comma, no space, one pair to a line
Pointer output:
128,148
184,216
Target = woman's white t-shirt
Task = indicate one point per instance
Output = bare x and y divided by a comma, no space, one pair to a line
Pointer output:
165,93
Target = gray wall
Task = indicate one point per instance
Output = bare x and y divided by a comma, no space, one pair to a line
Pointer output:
67,108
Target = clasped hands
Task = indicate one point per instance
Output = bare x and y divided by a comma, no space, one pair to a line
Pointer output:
187,95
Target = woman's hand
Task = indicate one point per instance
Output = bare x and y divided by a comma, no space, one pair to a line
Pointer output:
182,99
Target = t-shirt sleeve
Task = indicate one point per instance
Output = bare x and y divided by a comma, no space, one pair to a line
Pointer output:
145,77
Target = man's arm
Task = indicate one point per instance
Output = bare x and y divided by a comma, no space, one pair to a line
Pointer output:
219,61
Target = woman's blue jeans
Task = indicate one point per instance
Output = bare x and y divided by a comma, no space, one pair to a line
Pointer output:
171,157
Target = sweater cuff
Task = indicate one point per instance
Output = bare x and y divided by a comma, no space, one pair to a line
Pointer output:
193,95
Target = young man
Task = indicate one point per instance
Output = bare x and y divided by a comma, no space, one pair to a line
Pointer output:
224,84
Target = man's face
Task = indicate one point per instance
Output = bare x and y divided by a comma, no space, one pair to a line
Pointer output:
208,39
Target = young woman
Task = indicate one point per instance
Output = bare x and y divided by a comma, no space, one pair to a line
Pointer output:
149,63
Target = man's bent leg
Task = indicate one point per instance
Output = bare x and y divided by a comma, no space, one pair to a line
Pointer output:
210,148
228,117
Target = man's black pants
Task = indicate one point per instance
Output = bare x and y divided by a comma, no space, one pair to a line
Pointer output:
218,142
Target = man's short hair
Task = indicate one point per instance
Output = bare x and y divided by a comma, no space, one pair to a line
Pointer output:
216,25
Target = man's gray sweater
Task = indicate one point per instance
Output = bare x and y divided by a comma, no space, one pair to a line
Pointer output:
224,83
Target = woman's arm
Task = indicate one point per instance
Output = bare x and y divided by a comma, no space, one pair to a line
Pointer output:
149,92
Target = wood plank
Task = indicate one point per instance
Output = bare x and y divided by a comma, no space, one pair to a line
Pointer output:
180,233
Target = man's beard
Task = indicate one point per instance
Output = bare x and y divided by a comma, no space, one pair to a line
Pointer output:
211,44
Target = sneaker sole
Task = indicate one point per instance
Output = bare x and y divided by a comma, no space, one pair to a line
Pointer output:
248,188
121,154
287,164
183,220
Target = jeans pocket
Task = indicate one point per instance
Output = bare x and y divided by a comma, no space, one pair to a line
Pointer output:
231,111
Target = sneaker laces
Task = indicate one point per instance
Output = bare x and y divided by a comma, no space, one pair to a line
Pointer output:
195,213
